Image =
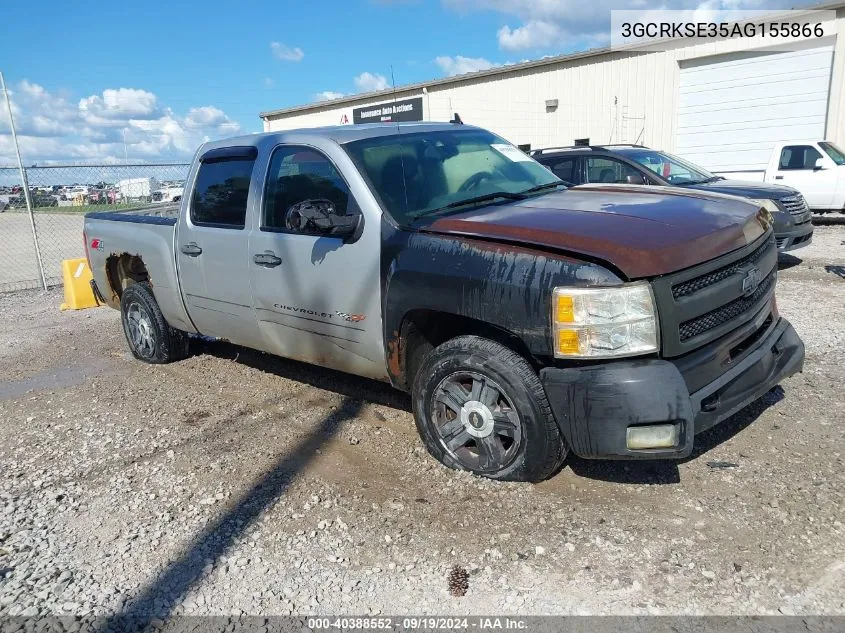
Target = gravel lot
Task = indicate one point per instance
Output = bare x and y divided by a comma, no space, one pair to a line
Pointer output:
236,483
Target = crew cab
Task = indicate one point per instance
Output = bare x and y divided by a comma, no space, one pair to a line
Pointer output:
636,164
525,318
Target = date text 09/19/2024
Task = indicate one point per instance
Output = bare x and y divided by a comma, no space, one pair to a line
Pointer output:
482,623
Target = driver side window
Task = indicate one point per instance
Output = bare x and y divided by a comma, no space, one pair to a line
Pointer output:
300,179
799,157
602,169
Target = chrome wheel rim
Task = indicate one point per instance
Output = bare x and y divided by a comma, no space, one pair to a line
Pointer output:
140,329
476,422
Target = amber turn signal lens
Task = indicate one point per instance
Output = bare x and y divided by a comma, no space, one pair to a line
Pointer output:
568,342
565,309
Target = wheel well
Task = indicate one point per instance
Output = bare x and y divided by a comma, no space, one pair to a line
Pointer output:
124,270
423,330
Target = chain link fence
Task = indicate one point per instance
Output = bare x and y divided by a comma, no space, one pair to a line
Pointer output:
33,244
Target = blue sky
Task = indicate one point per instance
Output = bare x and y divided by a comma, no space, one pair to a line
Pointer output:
86,75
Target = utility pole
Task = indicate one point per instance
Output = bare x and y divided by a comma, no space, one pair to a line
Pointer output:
24,183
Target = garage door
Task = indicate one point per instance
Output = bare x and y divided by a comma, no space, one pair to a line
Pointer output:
733,110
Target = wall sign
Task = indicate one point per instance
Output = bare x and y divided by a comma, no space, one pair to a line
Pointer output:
405,110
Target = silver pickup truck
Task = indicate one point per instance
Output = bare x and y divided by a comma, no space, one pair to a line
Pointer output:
525,318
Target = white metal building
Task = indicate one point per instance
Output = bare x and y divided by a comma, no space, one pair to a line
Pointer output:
721,104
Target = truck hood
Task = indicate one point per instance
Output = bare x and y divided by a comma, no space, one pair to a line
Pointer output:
643,232
745,189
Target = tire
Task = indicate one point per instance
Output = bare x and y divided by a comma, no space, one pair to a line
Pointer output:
479,406
149,336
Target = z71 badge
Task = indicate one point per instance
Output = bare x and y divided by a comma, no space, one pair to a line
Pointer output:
353,318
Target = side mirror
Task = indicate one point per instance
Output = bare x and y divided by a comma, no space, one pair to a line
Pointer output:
320,217
635,179
819,164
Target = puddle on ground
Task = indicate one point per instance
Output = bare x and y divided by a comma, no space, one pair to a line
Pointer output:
58,378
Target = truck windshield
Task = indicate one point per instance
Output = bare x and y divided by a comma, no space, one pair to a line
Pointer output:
425,173
671,168
836,154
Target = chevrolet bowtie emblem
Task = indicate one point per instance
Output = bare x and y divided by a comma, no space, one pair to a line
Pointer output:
751,281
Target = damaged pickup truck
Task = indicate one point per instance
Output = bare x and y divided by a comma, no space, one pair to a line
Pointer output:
525,319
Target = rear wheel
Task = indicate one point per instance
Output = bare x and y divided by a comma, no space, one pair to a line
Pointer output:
479,406
149,336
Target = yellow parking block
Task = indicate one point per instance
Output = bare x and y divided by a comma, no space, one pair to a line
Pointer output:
77,279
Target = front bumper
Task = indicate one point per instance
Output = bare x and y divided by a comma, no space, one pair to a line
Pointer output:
594,405
790,236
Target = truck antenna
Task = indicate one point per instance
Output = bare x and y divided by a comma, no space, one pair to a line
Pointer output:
401,149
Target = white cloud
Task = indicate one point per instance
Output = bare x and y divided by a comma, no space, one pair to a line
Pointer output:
37,112
459,64
533,34
555,24
206,116
369,82
328,95
119,104
51,127
286,53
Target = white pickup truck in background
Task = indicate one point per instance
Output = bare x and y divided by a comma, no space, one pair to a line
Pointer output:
815,168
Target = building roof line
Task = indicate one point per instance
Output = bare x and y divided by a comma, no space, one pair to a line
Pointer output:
409,89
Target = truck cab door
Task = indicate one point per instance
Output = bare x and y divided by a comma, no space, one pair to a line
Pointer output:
212,239
797,168
317,297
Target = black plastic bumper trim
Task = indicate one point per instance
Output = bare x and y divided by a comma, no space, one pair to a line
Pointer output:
790,240
595,405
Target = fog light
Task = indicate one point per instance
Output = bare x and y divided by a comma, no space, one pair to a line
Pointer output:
652,436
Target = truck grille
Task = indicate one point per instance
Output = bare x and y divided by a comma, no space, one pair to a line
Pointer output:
735,308
700,304
796,205
699,283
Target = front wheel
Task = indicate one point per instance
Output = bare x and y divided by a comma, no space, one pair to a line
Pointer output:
149,336
479,406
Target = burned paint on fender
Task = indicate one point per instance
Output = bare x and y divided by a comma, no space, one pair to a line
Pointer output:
506,286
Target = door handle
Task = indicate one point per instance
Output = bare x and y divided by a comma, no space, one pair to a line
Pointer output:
778,177
191,249
267,259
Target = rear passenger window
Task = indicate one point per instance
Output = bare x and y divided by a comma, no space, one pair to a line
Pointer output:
222,188
565,170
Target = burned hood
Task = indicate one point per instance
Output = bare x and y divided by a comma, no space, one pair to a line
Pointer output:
642,231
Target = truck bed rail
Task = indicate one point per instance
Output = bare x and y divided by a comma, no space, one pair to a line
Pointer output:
165,214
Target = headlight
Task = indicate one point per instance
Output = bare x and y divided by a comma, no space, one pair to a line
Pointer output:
604,322
769,205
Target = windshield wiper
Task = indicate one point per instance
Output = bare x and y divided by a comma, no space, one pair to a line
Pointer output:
548,185
714,178
487,197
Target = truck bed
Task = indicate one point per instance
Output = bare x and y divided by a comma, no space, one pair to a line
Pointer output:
166,213
150,236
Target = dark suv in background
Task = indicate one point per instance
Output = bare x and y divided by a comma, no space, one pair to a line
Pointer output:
639,165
